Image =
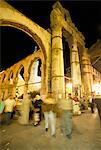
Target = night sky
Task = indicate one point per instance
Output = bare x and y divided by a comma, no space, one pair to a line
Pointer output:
16,45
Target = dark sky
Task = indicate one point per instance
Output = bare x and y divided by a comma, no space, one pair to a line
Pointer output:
16,45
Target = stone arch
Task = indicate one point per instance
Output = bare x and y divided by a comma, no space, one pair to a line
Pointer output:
3,85
19,69
10,75
18,20
4,77
26,30
34,77
43,69
9,83
31,63
67,44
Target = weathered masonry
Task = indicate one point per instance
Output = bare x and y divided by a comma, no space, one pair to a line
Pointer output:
50,54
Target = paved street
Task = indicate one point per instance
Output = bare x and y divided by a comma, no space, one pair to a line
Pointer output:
86,135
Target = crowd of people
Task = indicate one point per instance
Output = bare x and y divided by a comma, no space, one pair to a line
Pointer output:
47,108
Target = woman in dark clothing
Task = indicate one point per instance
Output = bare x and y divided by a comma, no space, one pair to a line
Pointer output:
37,110
92,103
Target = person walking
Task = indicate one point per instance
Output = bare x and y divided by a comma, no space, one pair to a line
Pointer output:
49,108
2,106
92,103
37,110
9,107
66,105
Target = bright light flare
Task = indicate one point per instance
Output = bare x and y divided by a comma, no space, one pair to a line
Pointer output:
97,88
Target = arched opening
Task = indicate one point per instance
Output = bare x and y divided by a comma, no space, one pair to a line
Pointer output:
3,88
33,31
67,66
10,83
29,35
34,83
22,46
20,83
80,54
4,76
10,78
66,56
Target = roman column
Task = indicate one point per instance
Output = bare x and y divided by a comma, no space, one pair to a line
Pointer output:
75,68
86,72
25,107
57,74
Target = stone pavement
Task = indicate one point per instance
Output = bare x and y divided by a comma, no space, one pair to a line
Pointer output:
86,135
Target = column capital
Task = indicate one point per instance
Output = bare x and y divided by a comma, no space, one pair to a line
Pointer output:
54,19
74,40
85,54
26,78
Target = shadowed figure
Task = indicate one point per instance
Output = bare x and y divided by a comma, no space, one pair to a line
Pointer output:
98,105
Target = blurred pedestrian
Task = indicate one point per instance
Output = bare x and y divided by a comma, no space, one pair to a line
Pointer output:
49,108
66,105
92,104
2,106
9,107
